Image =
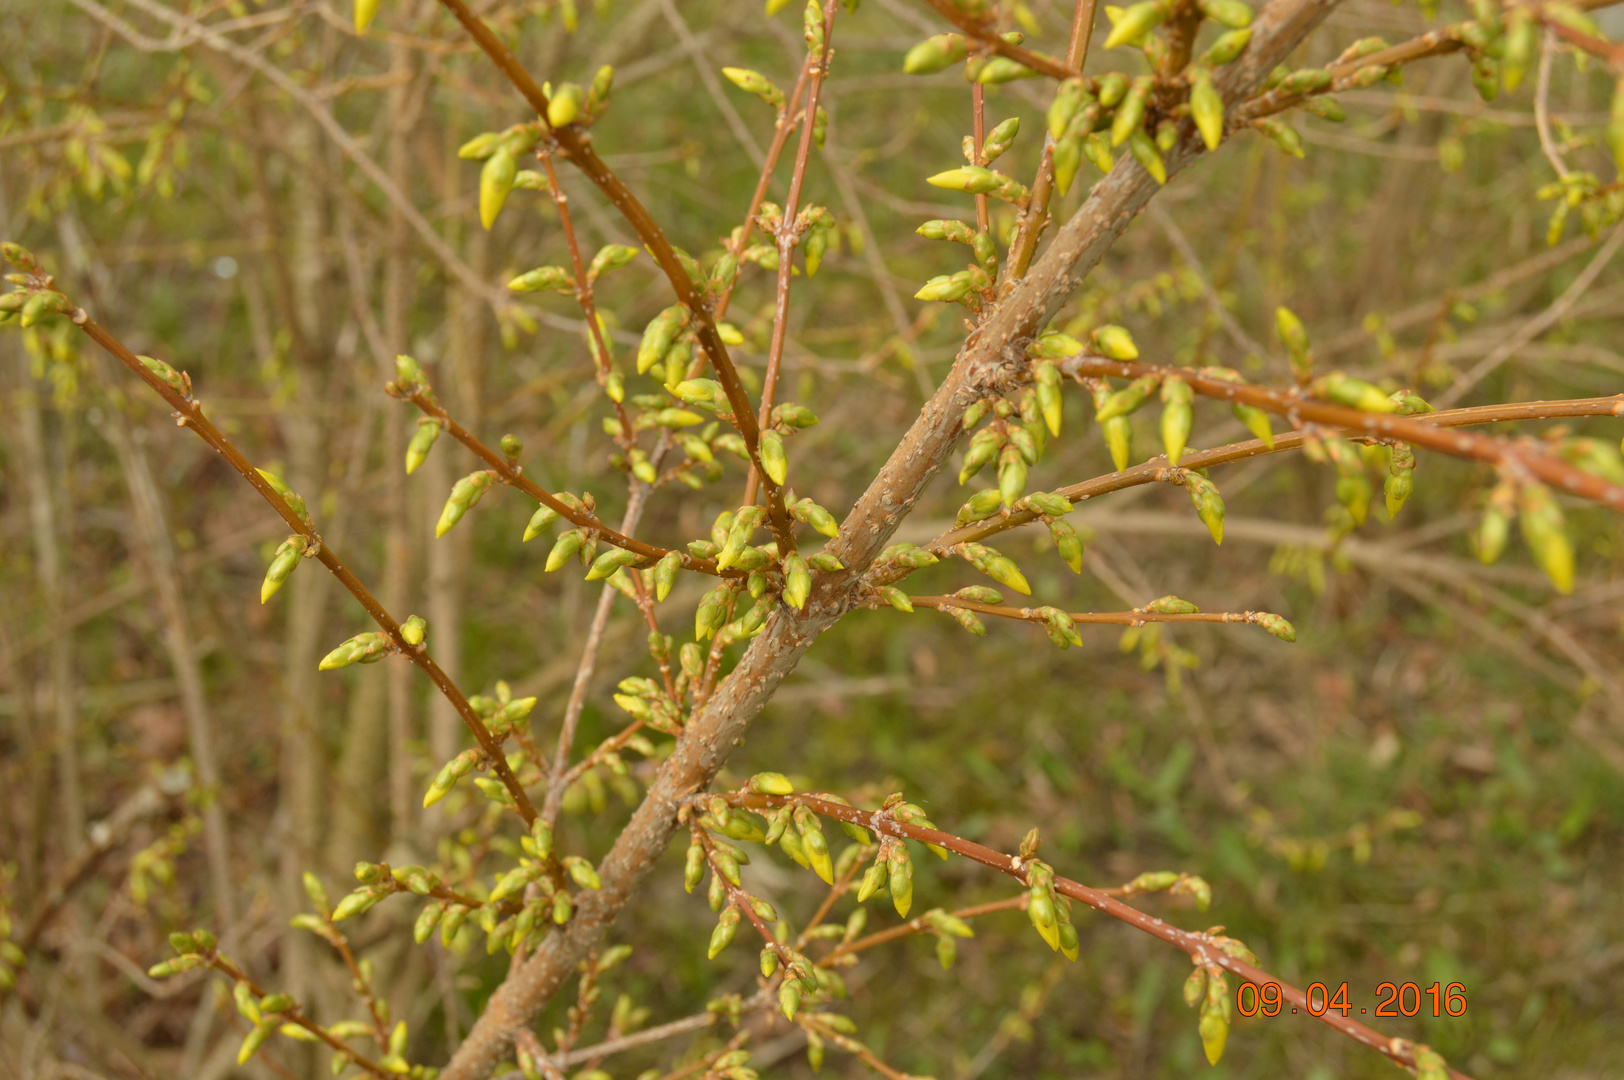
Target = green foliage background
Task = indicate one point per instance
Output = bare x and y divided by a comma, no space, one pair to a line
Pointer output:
1422,685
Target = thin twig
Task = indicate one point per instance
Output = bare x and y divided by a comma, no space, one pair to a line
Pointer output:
1200,946
788,236
190,414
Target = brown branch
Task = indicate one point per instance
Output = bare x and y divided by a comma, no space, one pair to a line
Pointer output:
1136,617
1418,430
577,146
986,36
786,239
919,925
296,1017
1037,210
1199,946
727,714
783,128
1151,471
584,292
513,476
190,414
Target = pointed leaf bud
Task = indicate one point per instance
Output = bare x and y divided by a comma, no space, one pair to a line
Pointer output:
495,181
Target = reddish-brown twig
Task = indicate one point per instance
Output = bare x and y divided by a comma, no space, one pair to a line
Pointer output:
577,146
1199,946
786,239
190,414
986,36
1153,470
1419,430
514,476
1111,618
1030,229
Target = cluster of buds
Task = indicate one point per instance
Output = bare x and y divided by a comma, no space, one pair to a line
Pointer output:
37,298
1543,529
1001,568
647,702
1049,912
365,648
1171,882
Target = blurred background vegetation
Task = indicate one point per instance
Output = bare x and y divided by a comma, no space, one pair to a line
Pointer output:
1426,787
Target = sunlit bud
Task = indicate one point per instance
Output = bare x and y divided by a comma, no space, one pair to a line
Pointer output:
968,620
984,446
361,900
1177,417
982,505
1522,38
365,12
1206,108
899,878
1144,151
581,872
543,517
1136,21
1277,626
773,461
706,393
1545,533
1214,1031
895,597
1167,136
1060,627
1127,400
1354,393
564,105
1131,113
1040,908
1305,81
825,561
1048,389
465,495
975,180
1195,987
945,288
1068,99
675,364
1116,343
753,82
722,936
934,54
495,181
1000,138
610,561
693,871
283,563
1284,135
797,580
178,381
1294,336
659,335
364,648
814,843
454,770
564,549
428,430
819,518
771,783
1166,605
1231,13
1067,157
1012,473
1256,421
1097,149
1209,505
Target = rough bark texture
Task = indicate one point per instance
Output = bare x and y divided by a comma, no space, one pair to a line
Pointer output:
987,358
